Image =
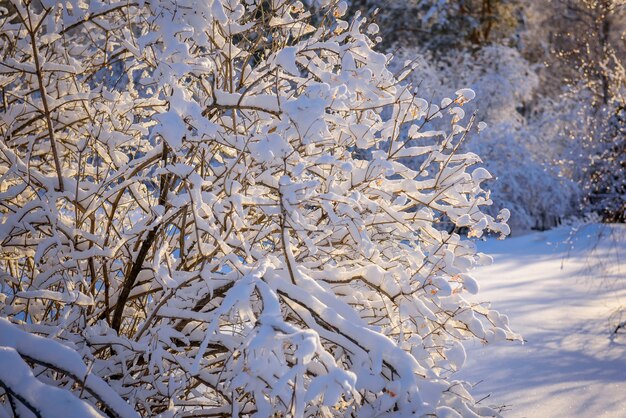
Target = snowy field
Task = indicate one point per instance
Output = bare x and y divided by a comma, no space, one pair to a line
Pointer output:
561,290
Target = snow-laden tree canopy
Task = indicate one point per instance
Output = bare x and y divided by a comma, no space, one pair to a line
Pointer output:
205,211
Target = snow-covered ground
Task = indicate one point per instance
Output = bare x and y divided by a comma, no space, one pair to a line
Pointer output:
561,290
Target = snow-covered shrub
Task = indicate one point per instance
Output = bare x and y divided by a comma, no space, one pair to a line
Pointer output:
536,193
587,144
515,145
504,80
186,228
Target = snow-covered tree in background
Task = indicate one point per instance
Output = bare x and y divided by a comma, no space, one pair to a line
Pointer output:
187,229
583,97
515,150
441,25
607,171
550,94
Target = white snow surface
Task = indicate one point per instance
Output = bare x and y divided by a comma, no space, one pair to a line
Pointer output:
561,290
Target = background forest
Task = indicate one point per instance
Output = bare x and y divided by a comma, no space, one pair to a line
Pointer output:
550,83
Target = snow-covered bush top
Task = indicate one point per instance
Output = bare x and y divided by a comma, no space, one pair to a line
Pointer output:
519,149
185,207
